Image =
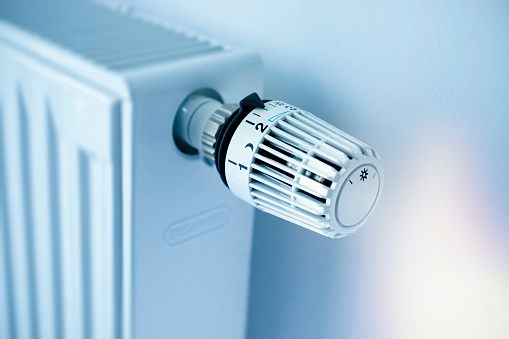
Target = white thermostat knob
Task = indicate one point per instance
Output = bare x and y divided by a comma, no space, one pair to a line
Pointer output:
289,163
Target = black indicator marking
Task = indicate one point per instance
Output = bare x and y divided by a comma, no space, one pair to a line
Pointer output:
232,162
242,167
374,175
364,174
250,145
351,181
250,122
258,115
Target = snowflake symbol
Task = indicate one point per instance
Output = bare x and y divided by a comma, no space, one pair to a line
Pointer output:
364,174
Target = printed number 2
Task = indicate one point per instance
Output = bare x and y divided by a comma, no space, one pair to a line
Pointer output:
261,127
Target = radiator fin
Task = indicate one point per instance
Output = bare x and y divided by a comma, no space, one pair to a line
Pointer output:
7,330
84,238
33,139
55,222
112,40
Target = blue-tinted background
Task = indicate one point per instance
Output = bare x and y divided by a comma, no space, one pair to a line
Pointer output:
427,84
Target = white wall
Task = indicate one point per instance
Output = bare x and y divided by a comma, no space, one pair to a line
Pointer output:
427,84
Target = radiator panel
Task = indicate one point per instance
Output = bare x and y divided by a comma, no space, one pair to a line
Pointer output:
63,187
87,99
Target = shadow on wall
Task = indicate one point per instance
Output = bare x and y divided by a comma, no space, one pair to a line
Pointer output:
279,262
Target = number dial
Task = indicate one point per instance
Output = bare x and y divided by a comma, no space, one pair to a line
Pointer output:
245,142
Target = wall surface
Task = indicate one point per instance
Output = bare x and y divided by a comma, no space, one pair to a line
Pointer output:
427,84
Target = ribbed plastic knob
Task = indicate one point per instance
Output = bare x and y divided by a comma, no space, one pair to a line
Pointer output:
289,163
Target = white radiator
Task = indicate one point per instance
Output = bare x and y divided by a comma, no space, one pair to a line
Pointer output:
107,231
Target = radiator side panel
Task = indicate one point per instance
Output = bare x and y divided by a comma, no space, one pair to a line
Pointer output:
60,204
191,237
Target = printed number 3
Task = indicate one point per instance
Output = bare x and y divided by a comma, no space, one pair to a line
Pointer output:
261,127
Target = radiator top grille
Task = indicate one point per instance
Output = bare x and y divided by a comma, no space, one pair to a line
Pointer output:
114,39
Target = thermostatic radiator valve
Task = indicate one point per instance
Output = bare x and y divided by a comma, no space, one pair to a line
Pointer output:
284,161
